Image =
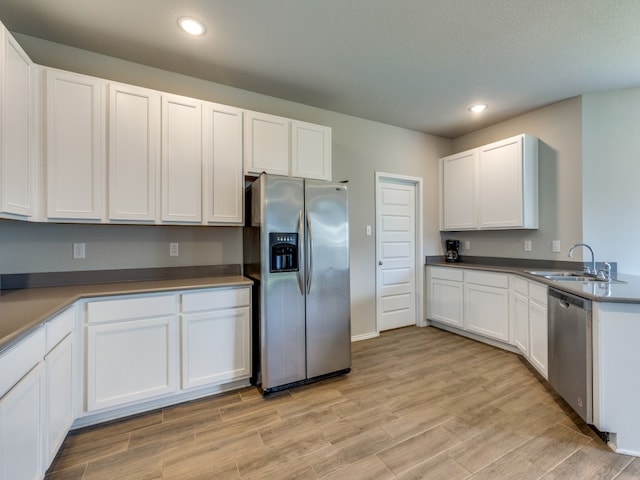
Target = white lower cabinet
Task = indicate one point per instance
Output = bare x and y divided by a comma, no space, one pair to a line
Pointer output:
492,306
22,409
21,428
471,300
60,375
59,365
130,355
538,328
149,350
446,295
486,300
216,341
520,313
529,321
132,350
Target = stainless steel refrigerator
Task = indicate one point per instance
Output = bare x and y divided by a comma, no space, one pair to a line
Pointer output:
296,248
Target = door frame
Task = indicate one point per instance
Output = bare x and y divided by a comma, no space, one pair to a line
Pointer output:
419,271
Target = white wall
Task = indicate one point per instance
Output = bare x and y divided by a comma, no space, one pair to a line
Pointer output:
360,148
611,178
559,128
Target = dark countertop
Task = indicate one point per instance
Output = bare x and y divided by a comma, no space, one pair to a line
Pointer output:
625,291
22,310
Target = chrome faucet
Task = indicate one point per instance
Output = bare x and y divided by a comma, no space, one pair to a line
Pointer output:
590,270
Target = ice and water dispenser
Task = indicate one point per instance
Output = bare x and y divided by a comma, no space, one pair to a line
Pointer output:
284,252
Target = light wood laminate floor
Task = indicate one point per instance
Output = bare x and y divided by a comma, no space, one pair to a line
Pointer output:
420,403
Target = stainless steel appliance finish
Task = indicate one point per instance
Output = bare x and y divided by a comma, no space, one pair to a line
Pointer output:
302,321
571,351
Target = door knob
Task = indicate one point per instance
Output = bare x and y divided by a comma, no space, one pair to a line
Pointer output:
379,262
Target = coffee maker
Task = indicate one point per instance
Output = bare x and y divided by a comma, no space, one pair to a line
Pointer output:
452,254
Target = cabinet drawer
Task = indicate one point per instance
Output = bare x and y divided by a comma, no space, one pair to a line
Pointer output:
16,362
444,273
538,293
490,279
520,285
59,327
216,299
130,308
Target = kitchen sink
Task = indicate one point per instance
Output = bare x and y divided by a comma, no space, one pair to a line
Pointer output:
556,273
570,277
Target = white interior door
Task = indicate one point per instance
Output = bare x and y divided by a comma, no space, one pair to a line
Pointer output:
397,302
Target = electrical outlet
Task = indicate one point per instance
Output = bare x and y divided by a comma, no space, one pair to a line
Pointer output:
174,249
555,246
78,250
527,245
467,244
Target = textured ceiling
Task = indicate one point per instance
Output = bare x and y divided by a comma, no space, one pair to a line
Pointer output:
417,64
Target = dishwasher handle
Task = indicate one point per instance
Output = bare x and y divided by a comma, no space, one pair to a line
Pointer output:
566,299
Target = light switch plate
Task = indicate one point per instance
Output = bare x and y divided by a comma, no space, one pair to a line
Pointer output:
368,230
555,246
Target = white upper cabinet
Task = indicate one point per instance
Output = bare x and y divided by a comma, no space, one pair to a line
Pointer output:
223,178
74,146
508,184
181,159
133,153
491,187
266,144
17,171
282,146
310,151
458,174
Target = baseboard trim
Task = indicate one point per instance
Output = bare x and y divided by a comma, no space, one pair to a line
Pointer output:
364,336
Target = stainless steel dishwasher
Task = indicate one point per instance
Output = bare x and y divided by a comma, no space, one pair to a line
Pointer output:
570,351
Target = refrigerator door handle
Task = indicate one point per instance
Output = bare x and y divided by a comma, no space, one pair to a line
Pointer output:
309,253
299,272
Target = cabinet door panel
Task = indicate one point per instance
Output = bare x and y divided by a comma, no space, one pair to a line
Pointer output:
500,184
224,180
131,361
17,171
446,301
266,144
181,159
521,322
59,396
486,311
538,331
216,347
310,151
74,146
458,191
21,429
134,152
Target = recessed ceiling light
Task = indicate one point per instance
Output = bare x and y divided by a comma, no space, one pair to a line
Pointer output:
191,26
481,107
